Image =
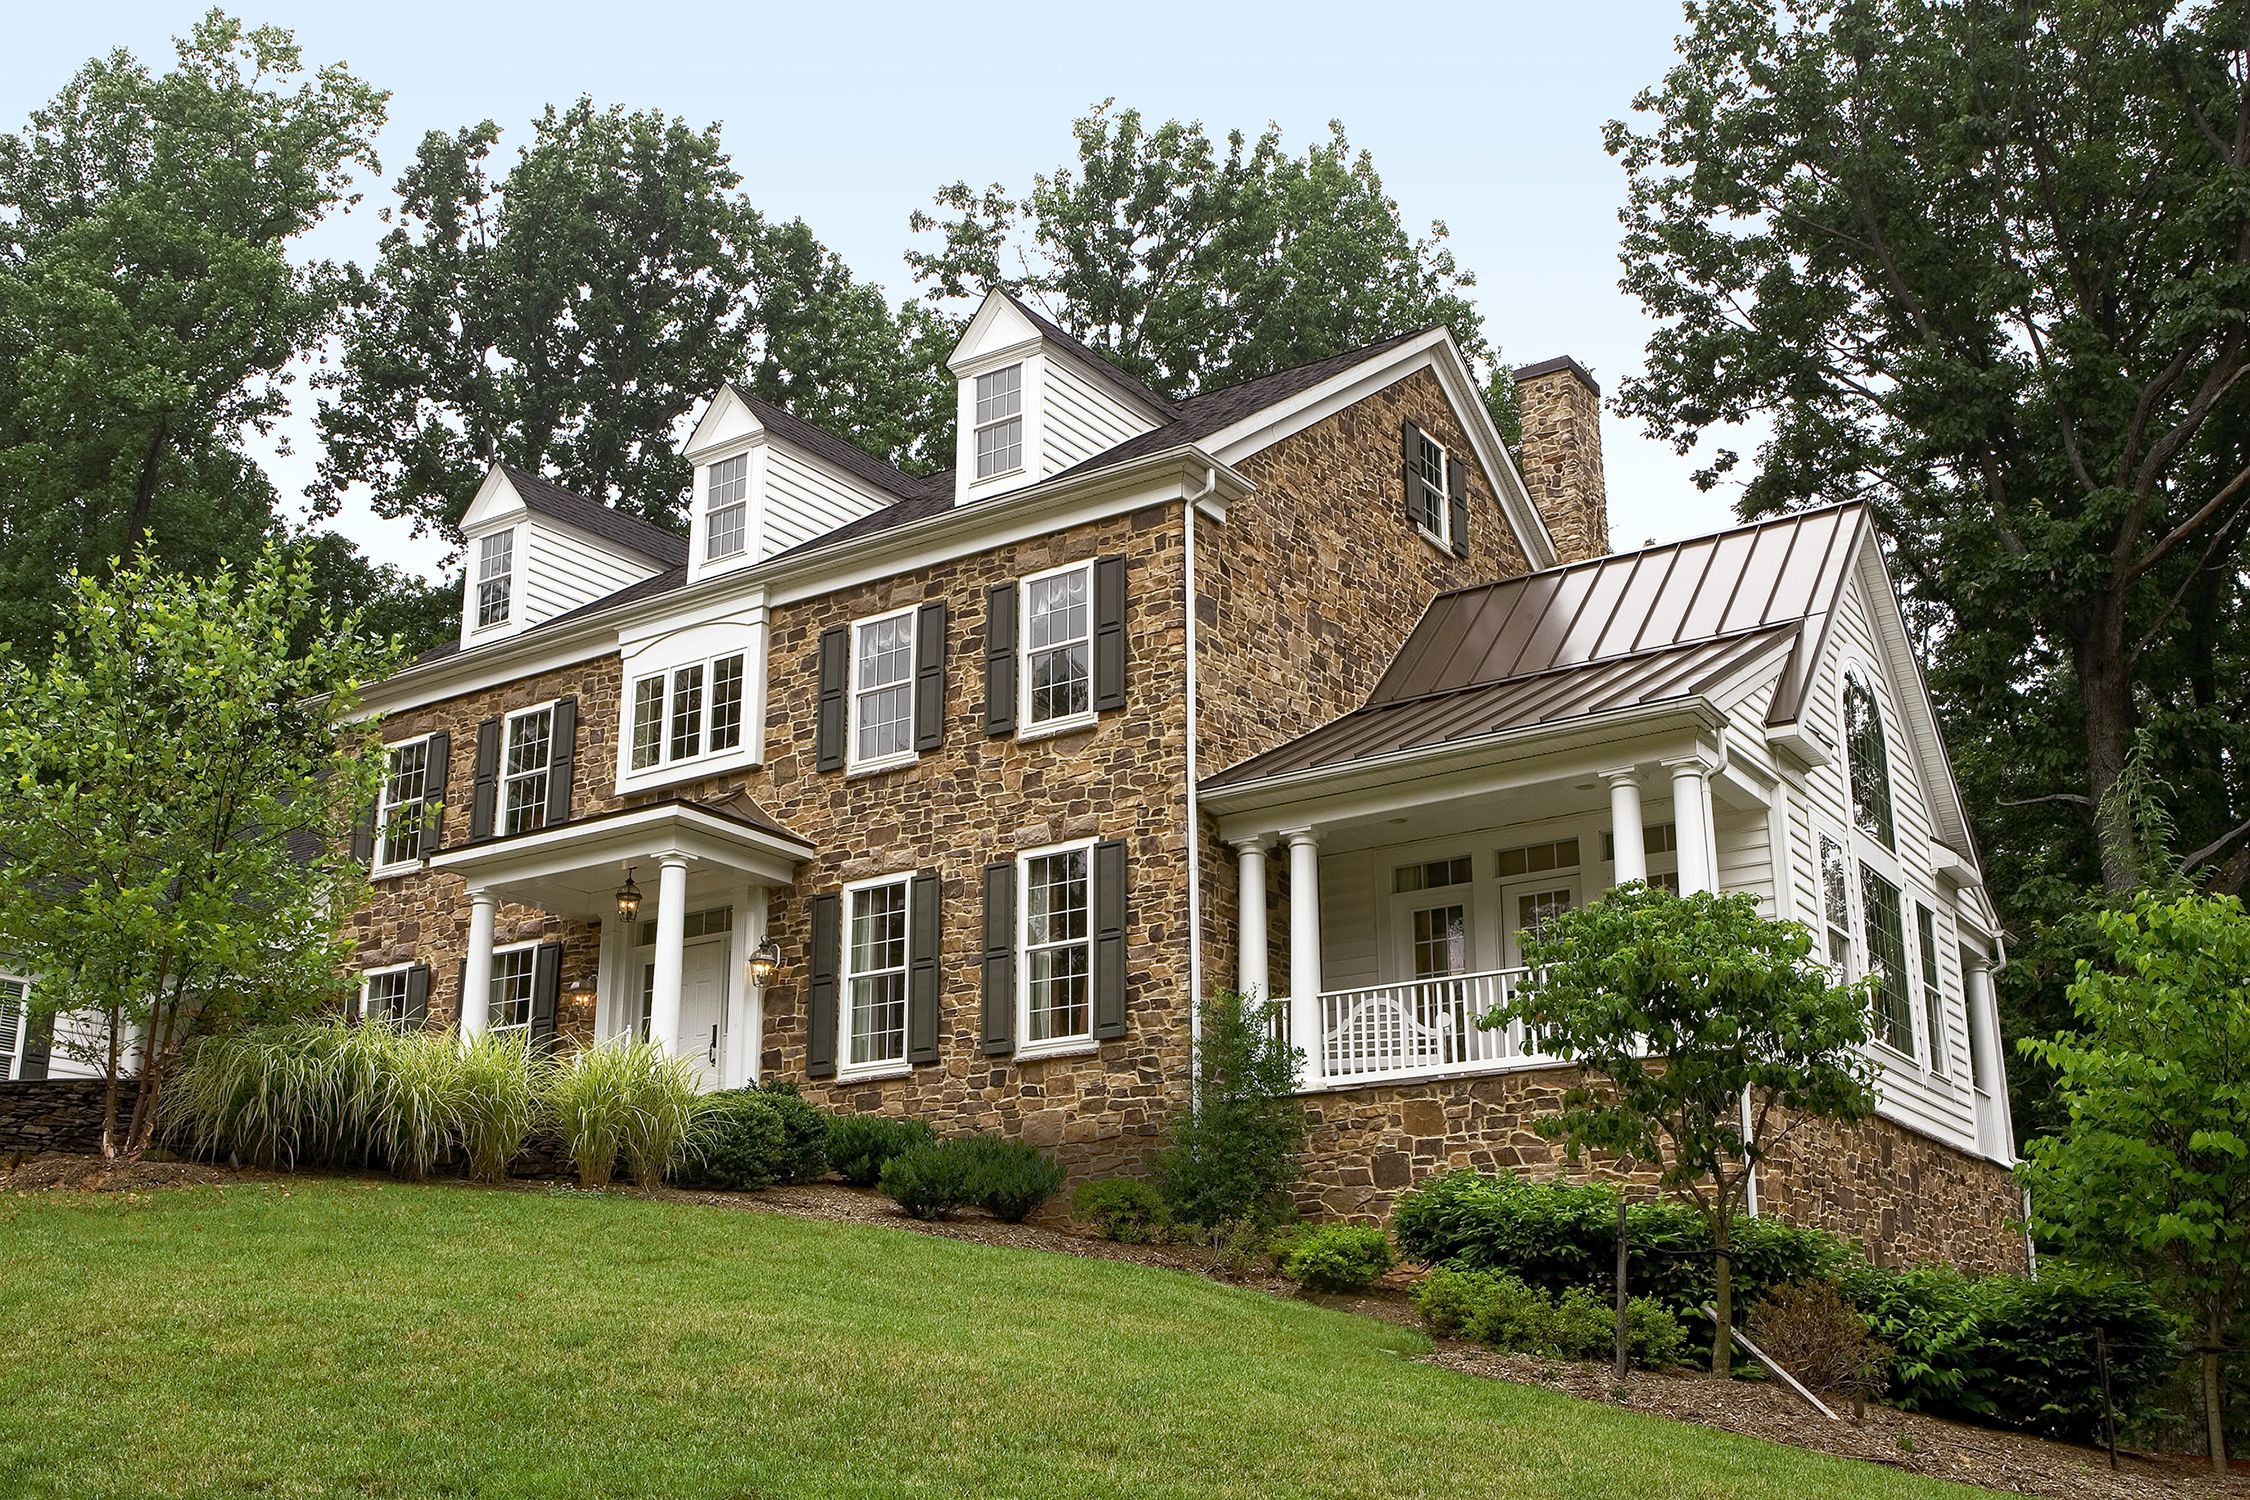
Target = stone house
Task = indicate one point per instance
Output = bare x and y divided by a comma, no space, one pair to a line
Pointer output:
947,795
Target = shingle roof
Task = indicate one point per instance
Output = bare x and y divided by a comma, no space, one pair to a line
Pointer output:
591,516
1626,630
1094,361
849,457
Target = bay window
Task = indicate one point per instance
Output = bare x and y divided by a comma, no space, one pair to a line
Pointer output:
685,712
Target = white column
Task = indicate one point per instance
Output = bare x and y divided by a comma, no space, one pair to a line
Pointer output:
1689,810
1995,1130
1251,941
745,1025
1630,848
1304,915
1710,838
671,931
476,974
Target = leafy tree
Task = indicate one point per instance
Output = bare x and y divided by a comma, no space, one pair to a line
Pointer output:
1678,1009
1987,264
150,308
1195,267
2151,1173
174,791
570,315
1236,1149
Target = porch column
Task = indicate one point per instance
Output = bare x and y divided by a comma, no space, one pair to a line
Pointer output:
1996,1132
1304,916
1251,979
671,933
1690,813
476,973
746,1023
1630,852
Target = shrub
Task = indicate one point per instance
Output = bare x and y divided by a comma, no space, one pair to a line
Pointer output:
1242,1248
497,1098
929,1182
1505,1311
858,1145
1812,1332
1235,1153
1124,1209
1338,1258
1654,1336
804,1134
739,1144
1008,1179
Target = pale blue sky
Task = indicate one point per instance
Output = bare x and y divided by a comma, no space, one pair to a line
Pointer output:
1486,116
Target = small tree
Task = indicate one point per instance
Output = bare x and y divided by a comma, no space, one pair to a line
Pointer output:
175,803
2151,1173
1237,1147
1680,1009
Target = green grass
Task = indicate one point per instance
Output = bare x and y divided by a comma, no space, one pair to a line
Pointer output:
368,1338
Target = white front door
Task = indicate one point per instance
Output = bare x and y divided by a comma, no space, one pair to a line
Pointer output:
703,1008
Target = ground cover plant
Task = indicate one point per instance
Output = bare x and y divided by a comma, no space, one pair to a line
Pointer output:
758,1354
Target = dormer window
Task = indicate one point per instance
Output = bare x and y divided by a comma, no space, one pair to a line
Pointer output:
496,562
999,423
726,532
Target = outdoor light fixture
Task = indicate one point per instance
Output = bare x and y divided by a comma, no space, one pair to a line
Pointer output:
582,993
765,962
628,897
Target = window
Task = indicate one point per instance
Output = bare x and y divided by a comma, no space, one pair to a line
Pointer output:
685,711
1835,901
382,997
1933,996
1441,941
404,813
1531,859
727,508
15,1022
882,699
1656,838
1886,957
1432,510
511,987
874,979
999,422
1057,947
495,577
714,921
1058,655
529,750
1870,766
1434,875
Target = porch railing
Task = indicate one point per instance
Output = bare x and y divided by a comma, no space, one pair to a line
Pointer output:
1408,1030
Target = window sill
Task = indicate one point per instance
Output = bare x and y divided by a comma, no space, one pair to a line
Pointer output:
878,767
655,778
874,1072
1443,546
1049,1051
394,871
1053,727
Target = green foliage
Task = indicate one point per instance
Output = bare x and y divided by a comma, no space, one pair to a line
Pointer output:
930,1182
628,1102
1009,1179
1235,1151
858,1145
739,1144
1338,1257
1496,1308
804,1134
498,1087
1128,1210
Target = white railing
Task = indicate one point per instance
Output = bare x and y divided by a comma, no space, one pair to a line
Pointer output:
1409,1030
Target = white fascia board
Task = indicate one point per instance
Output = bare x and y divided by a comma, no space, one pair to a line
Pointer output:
724,418
496,503
606,838
995,329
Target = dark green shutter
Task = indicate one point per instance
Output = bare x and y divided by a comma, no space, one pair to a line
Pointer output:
1109,633
1457,492
546,990
1000,659
484,796
1109,939
436,766
828,728
38,1040
820,993
562,756
417,996
999,959
1410,468
929,676
922,968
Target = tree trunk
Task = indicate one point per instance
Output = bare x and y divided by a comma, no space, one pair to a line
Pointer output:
1622,1364
2105,686
109,1089
1722,1294
144,493
2214,1413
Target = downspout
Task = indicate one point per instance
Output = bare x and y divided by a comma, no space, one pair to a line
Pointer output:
1194,799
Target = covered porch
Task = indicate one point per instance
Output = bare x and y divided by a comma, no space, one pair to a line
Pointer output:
674,968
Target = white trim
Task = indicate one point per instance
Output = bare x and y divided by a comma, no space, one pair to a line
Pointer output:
1026,726
853,764
388,869
500,829
1075,1042
477,581
978,427
1442,536
11,1061
367,978
888,1066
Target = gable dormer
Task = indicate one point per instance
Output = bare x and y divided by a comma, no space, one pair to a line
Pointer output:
1033,401
766,481
535,551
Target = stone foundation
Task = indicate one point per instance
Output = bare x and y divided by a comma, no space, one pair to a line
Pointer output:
54,1114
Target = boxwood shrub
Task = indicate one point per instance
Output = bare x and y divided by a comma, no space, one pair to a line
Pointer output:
740,1145
804,1134
1338,1257
1125,1209
1505,1311
928,1182
858,1145
1008,1179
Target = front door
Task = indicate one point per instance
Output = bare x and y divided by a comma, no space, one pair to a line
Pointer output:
703,1007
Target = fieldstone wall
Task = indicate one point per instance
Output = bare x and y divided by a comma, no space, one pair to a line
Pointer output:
52,1114
1906,1199
1562,455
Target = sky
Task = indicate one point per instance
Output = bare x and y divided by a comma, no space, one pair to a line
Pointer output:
1488,117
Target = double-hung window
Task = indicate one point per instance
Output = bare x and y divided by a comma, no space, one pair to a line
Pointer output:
382,996
1058,647
882,697
512,971
15,1023
1055,898
1933,993
726,529
496,565
1869,760
686,711
527,752
403,817
1433,508
999,421
1886,958
874,978
1836,907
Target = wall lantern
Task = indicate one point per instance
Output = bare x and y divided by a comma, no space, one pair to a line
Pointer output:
765,962
628,898
582,993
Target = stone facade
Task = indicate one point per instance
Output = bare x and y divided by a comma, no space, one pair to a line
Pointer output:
1562,455
53,1114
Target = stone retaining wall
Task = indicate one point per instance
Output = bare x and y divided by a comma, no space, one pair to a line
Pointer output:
52,1114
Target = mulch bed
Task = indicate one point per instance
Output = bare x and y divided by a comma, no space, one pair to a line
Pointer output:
1906,1441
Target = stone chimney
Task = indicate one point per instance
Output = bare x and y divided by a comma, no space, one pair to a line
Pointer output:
1562,454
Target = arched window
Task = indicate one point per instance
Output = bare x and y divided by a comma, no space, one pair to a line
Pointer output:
1870,765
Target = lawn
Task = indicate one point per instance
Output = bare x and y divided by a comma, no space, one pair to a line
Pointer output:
367,1338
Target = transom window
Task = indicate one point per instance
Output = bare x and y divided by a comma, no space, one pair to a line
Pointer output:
713,921
1656,838
1057,946
882,701
511,987
1432,510
1432,875
687,711
382,997
528,753
1933,996
999,421
1886,956
874,987
1869,760
727,509
1058,656
404,814
1835,902
496,563
15,999
1531,859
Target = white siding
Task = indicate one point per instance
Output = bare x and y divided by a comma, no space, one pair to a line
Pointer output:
801,500
1348,956
1080,418
558,569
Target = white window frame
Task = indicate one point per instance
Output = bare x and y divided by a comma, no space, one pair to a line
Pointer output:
1077,1042
367,978
508,779
854,689
1853,964
846,977
1442,533
1861,867
738,502
485,577
383,865
1026,726
492,1023
706,715
980,425
11,1060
